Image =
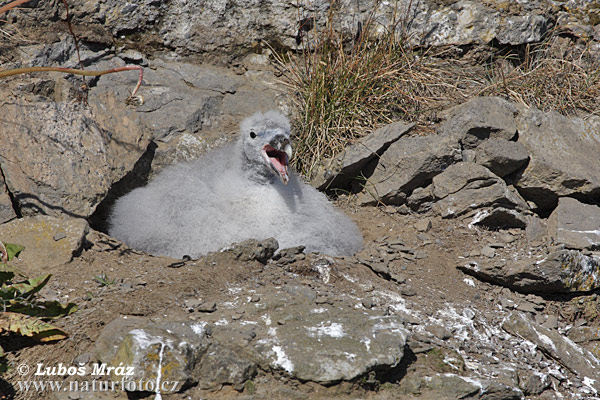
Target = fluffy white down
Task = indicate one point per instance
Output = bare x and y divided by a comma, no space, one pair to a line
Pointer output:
202,206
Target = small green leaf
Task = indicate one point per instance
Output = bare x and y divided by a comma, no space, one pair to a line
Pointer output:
13,250
31,286
44,310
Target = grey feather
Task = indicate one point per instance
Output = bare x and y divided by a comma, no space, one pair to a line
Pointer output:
234,193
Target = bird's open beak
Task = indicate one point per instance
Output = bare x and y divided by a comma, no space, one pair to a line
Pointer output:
278,159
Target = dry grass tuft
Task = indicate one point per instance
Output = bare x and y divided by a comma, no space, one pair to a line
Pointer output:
349,85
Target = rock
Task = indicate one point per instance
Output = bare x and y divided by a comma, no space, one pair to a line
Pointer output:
252,249
75,156
578,360
336,348
533,383
291,331
464,186
464,22
563,271
575,225
479,119
407,164
488,251
338,172
498,391
500,218
551,322
423,225
583,334
6,208
535,232
501,156
181,351
439,386
551,139
42,251
438,331
236,28
289,255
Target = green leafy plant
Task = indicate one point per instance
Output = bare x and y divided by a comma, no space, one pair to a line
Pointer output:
23,314
104,280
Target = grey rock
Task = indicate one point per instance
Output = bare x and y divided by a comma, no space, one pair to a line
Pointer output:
234,28
345,167
465,22
575,225
206,306
536,231
6,208
407,164
479,119
500,218
563,271
578,360
520,29
68,155
501,156
438,386
253,249
499,391
438,331
533,383
583,334
37,235
291,331
191,357
423,225
551,140
464,187
488,251
551,322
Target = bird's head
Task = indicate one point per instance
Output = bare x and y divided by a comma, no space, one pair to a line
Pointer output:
266,144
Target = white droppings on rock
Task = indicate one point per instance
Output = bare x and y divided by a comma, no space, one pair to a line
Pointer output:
476,218
282,360
367,343
334,329
469,282
199,328
589,382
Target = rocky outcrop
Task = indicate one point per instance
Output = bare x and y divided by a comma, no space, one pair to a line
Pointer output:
500,156
282,330
57,159
575,358
346,167
409,163
575,225
562,271
464,187
233,28
551,140
48,241
479,119
7,211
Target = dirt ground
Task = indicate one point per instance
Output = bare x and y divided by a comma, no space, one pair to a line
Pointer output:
109,280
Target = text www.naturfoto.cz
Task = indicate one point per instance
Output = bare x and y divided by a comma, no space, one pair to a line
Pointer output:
97,386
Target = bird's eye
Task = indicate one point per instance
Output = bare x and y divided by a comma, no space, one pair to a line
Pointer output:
252,134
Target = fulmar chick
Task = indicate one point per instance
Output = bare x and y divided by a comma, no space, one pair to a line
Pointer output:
240,191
